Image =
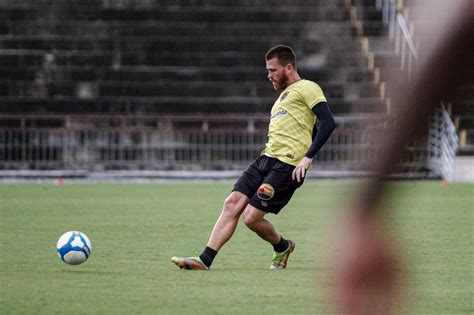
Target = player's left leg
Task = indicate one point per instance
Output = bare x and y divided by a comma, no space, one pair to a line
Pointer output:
254,219
273,195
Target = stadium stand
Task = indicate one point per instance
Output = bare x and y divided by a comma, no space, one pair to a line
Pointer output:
162,58
128,69
143,58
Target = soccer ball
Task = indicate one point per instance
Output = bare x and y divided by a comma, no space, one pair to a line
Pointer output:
74,247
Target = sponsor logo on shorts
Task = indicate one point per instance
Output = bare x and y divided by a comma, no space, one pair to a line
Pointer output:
265,191
264,203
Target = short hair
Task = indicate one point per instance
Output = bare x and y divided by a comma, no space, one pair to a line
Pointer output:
283,53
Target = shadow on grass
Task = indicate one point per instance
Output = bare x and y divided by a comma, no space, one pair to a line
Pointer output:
85,271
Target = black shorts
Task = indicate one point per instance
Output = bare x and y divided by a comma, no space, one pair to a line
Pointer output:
268,184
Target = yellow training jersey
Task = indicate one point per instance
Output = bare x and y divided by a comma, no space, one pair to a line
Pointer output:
292,121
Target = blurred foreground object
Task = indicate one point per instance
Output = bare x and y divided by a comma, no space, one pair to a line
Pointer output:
367,269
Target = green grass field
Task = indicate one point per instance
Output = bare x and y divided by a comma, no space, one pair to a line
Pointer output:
136,228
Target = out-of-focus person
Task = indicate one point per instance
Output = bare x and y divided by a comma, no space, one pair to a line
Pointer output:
367,269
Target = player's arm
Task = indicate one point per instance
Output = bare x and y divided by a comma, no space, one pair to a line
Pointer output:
321,134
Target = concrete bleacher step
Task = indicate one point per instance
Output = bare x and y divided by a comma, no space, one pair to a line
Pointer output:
380,45
466,121
387,59
170,42
114,29
374,28
394,74
182,73
189,46
368,13
280,13
395,87
168,105
157,26
131,5
333,90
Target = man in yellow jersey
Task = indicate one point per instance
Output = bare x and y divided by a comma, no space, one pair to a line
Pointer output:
268,184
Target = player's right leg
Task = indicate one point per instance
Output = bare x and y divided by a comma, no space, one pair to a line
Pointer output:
254,219
280,259
223,230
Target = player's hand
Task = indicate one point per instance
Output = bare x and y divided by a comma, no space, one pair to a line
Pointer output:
300,169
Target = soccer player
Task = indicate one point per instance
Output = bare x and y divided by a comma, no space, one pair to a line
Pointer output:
270,181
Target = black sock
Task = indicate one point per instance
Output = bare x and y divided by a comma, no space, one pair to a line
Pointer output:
207,256
281,246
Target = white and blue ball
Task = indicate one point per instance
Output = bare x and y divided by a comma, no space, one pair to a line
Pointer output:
74,247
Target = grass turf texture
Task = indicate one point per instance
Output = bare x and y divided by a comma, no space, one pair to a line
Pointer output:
136,228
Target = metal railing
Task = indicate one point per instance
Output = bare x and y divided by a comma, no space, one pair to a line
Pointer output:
112,142
166,142
388,8
442,144
405,46
400,34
